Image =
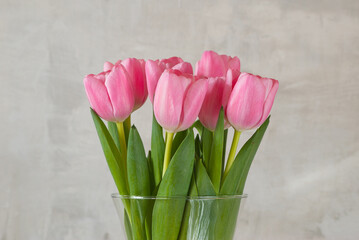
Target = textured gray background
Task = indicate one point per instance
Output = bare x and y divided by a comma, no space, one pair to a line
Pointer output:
54,182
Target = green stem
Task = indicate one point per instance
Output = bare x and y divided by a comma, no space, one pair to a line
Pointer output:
121,134
232,152
169,140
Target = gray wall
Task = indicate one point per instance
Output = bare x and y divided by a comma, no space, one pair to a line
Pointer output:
54,182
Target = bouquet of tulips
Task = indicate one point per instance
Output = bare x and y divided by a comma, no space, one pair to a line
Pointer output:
195,111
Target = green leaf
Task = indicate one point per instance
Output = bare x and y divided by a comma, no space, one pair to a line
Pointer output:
114,158
224,148
187,212
139,182
203,182
237,175
127,128
150,170
167,214
198,125
207,138
204,212
234,183
198,147
178,139
112,128
215,165
128,228
157,150
226,218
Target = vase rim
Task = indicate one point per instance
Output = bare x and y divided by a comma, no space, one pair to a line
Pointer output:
118,196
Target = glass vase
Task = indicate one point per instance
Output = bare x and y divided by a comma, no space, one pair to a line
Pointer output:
179,218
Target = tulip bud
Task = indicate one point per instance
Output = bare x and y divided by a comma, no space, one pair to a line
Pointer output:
154,69
178,100
217,95
250,101
212,64
136,69
110,94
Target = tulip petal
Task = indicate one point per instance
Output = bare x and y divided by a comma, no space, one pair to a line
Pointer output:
227,88
171,62
153,73
136,70
168,99
271,90
120,91
234,63
184,67
212,103
98,97
245,105
192,103
107,66
211,65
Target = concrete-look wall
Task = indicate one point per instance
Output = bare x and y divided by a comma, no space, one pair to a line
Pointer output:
54,182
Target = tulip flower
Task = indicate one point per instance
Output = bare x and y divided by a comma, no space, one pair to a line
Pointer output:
249,105
112,97
222,71
154,69
177,102
136,69
212,64
251,101
111,94
217,95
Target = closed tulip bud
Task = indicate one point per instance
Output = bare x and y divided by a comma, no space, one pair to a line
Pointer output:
154,70
178,100
217,95
111,94
251,101
212,64
136,69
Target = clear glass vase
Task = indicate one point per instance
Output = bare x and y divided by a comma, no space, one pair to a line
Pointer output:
179,218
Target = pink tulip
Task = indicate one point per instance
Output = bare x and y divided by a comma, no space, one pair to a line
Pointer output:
218,92
178,100
212,64
154,69
251,101
111,94
136,69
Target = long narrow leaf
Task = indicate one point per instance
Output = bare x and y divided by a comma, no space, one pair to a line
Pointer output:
114,158
112,128
224,148
187,212
207,138
215,162
150,169
157,150
198,147
178,139
203,181
234,181
167,214
139,182
198,125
